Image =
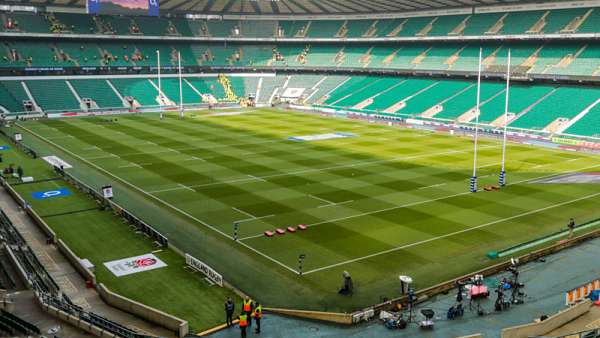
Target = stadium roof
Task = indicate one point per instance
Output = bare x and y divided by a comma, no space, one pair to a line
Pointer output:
297,7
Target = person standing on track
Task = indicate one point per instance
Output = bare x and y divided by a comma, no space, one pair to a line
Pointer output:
243,324
247,309
571,227
229,309
257,314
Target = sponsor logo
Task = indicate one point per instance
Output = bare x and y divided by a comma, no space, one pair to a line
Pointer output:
42,195
128,266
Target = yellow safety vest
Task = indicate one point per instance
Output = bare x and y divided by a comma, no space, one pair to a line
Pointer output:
258,312
247,305
243,320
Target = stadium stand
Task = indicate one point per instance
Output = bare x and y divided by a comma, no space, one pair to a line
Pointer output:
97,90
565,103
53,95
588,124
12,95
140,89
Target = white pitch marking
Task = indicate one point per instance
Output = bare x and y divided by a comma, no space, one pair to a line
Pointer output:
253,219
412,204
321,199
194,158
100,157
335,204
257,178
212,227
573,159
450,234
314,170
243,212
186,187
130,165
433,186
91,148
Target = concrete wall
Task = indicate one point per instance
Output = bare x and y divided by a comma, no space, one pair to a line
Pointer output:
340,318
87,327
150,314
75,261
550,324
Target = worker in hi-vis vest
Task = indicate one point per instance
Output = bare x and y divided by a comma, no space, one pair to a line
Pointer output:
243,324
257,314
247,309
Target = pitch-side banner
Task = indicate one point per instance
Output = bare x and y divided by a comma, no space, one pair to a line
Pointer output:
205,269
128,266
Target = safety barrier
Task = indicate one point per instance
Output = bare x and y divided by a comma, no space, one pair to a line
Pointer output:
551,323
580,293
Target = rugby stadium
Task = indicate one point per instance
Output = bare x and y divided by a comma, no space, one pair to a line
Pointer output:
352,168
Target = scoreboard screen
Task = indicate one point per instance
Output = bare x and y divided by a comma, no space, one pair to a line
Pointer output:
123,7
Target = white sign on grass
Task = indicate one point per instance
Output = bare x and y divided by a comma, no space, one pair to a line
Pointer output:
205,269
56,161
131,265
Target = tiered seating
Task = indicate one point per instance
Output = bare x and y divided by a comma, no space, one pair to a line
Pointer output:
377,86
413,26
445,24
119,25
520,98
52,95
140,89
586,63
467,100
269,85
480,23
356,28
292,29
330,83
222,28
77,23
12,95
559,18
183,26
405,55
355,83
436,57
435,95
154,26
208,85
548,57
97,90
259,28
15,325
395,94
170,87
81,54
566,102
29,22
42,55
588,124
520,22
324,28
592,23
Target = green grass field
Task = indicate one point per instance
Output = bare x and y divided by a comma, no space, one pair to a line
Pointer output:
388,201
100,236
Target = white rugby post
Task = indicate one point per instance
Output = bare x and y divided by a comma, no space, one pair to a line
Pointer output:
476,137
180,88
502,178
159,84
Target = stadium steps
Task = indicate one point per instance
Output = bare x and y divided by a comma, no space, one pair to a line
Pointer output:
52,95
587,124
372,100
564,126
466,100
162,98
346,89
497,27
564,103
139,89
411,92
520,22
170,88
592,24
531,106
574,25
82,106
459,30
373,87
451,60
539,25
12,95
397,30
559,19
425,101
371,32
425,30
521,97
472,113
566,60
324,88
